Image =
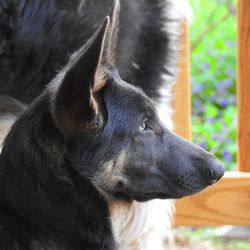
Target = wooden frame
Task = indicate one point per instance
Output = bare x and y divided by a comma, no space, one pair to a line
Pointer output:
227,202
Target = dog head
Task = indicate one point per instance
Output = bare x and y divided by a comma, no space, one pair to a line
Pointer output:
92,126
115,139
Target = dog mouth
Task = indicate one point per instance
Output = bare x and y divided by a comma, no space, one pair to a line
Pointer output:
184,185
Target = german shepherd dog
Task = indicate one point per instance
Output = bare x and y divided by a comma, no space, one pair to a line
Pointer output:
83,161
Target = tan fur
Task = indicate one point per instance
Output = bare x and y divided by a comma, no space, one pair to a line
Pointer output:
119,215
110,174
114,32
100,79
101,71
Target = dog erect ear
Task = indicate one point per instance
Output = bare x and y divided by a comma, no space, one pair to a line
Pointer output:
74,106
113,33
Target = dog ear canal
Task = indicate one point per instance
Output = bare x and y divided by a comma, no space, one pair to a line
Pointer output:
74,106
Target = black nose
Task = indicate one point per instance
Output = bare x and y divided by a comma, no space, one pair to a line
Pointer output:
216,171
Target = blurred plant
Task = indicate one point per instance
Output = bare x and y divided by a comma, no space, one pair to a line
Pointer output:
213,77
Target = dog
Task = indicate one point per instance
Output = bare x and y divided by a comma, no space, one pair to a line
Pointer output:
88,163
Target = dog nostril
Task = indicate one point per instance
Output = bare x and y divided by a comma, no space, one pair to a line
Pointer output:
211,174
216,171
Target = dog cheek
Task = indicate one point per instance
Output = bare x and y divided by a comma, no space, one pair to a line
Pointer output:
110,175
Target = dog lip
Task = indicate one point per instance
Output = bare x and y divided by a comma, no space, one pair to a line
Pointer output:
214,181
145,196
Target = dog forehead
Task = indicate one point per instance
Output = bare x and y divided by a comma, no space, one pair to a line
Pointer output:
123,94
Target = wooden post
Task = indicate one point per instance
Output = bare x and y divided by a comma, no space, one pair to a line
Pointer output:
244,85
181,91
228,201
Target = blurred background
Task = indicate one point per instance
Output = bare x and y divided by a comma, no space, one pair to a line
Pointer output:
213,77
213,38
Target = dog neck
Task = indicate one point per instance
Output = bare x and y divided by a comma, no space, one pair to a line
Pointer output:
120,213
40,194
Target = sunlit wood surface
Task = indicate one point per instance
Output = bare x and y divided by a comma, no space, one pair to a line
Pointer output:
226,203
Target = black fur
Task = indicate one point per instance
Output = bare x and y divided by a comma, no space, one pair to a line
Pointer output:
44,205
90,138
37,37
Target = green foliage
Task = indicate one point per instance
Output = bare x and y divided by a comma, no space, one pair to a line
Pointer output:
213,77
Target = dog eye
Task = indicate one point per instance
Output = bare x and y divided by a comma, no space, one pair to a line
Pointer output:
143,126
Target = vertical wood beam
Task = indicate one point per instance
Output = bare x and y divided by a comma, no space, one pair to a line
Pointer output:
243,85
181,91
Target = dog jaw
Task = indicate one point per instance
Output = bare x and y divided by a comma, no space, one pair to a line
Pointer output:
110,174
